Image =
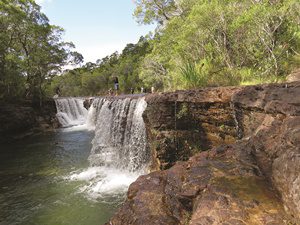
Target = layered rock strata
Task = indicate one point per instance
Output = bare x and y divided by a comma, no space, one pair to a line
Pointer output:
183,123
253,177
21,119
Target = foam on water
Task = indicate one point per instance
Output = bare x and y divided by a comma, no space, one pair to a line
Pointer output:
119,154
82,127
103,182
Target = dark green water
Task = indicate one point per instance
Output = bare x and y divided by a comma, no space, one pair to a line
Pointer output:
33,185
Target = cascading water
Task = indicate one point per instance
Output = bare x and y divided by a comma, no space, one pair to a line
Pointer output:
78,174
119,153
120,135
70,111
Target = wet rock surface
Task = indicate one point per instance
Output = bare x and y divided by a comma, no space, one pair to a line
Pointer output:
253,177
88,102
15,120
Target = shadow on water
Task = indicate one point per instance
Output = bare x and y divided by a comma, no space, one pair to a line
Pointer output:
33,188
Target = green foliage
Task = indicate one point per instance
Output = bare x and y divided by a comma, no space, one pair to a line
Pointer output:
192,76
31,50
149,11
212,43
197,43
97,79
183,111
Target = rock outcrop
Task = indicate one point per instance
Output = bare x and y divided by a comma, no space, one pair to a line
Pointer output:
253,177
21,119
222,186
88,102
182,123
271,121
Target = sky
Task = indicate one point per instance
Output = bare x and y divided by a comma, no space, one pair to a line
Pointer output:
96,27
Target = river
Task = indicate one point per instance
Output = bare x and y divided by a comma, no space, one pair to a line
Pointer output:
73,175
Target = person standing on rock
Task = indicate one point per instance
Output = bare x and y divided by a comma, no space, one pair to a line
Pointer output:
57,91
116,85
152,89
132,90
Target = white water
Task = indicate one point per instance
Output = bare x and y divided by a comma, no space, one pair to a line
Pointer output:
103,181
120,134
119,153
70,111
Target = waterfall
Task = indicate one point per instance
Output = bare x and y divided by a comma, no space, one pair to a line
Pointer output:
70,111
119,151
120,134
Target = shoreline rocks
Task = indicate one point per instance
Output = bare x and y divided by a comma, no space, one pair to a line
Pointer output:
23,119
253,177
221,186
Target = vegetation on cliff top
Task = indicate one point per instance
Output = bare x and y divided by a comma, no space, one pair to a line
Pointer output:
197,43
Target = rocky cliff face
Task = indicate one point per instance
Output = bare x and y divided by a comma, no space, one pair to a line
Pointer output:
253,177
183,123
271,121
20,119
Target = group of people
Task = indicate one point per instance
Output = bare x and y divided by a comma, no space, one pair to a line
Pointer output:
116,87
110,91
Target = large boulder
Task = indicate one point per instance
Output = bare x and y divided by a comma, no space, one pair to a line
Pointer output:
222,186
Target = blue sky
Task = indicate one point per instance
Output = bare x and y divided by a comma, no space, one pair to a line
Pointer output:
97,27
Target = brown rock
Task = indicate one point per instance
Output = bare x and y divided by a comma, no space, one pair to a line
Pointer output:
183,123
274,118
220,186
23,119
88,102
254,181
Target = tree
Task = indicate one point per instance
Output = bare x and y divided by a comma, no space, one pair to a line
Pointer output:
31,48
150,11
98,78
201,43
225,43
